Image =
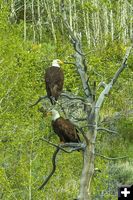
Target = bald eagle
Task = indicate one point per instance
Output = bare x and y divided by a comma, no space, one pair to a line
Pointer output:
64,128
54,79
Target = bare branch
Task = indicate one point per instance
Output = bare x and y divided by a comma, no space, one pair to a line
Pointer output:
89,125
69,63
101,84
76,98
55,145
109,158
95,72
53,169
72,97
79,119
40,98
63,95
108,87
75,146
105,129
122,66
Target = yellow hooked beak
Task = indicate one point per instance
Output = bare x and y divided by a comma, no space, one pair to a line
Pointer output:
49,113
60,62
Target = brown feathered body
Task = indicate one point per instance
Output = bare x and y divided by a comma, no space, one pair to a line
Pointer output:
65,130
54,79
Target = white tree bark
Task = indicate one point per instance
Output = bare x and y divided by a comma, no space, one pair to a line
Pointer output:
70,14
106,24
112,25
25,32
33,22
86,23
50,19
39,20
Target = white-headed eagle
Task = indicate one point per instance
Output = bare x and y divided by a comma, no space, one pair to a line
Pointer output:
54,80
64,128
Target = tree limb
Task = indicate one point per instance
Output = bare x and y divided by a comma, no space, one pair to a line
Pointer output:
55,145
53,169
63,95
108,87
109,158
114,79
75,146
105,129
69,63
72,98
79,119
40,98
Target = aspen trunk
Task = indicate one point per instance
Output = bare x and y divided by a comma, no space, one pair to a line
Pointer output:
75,17
106,23
86,23
33,22
70,14
50,19
39,21
25,20
112,25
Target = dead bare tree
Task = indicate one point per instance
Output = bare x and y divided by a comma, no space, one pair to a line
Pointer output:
92,120
93,114
92,108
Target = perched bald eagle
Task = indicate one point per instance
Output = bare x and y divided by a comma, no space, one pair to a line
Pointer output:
66,131
54,79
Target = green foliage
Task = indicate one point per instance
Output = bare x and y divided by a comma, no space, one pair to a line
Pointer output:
123,173
125,128
26,160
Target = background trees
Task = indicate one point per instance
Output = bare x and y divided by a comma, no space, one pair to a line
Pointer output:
97,20
32,34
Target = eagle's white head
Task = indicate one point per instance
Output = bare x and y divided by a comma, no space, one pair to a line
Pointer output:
55,114
56,63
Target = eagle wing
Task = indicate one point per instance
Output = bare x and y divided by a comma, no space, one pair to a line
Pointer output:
54,79
65,130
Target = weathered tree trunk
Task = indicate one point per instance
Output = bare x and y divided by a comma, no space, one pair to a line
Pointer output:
88,168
